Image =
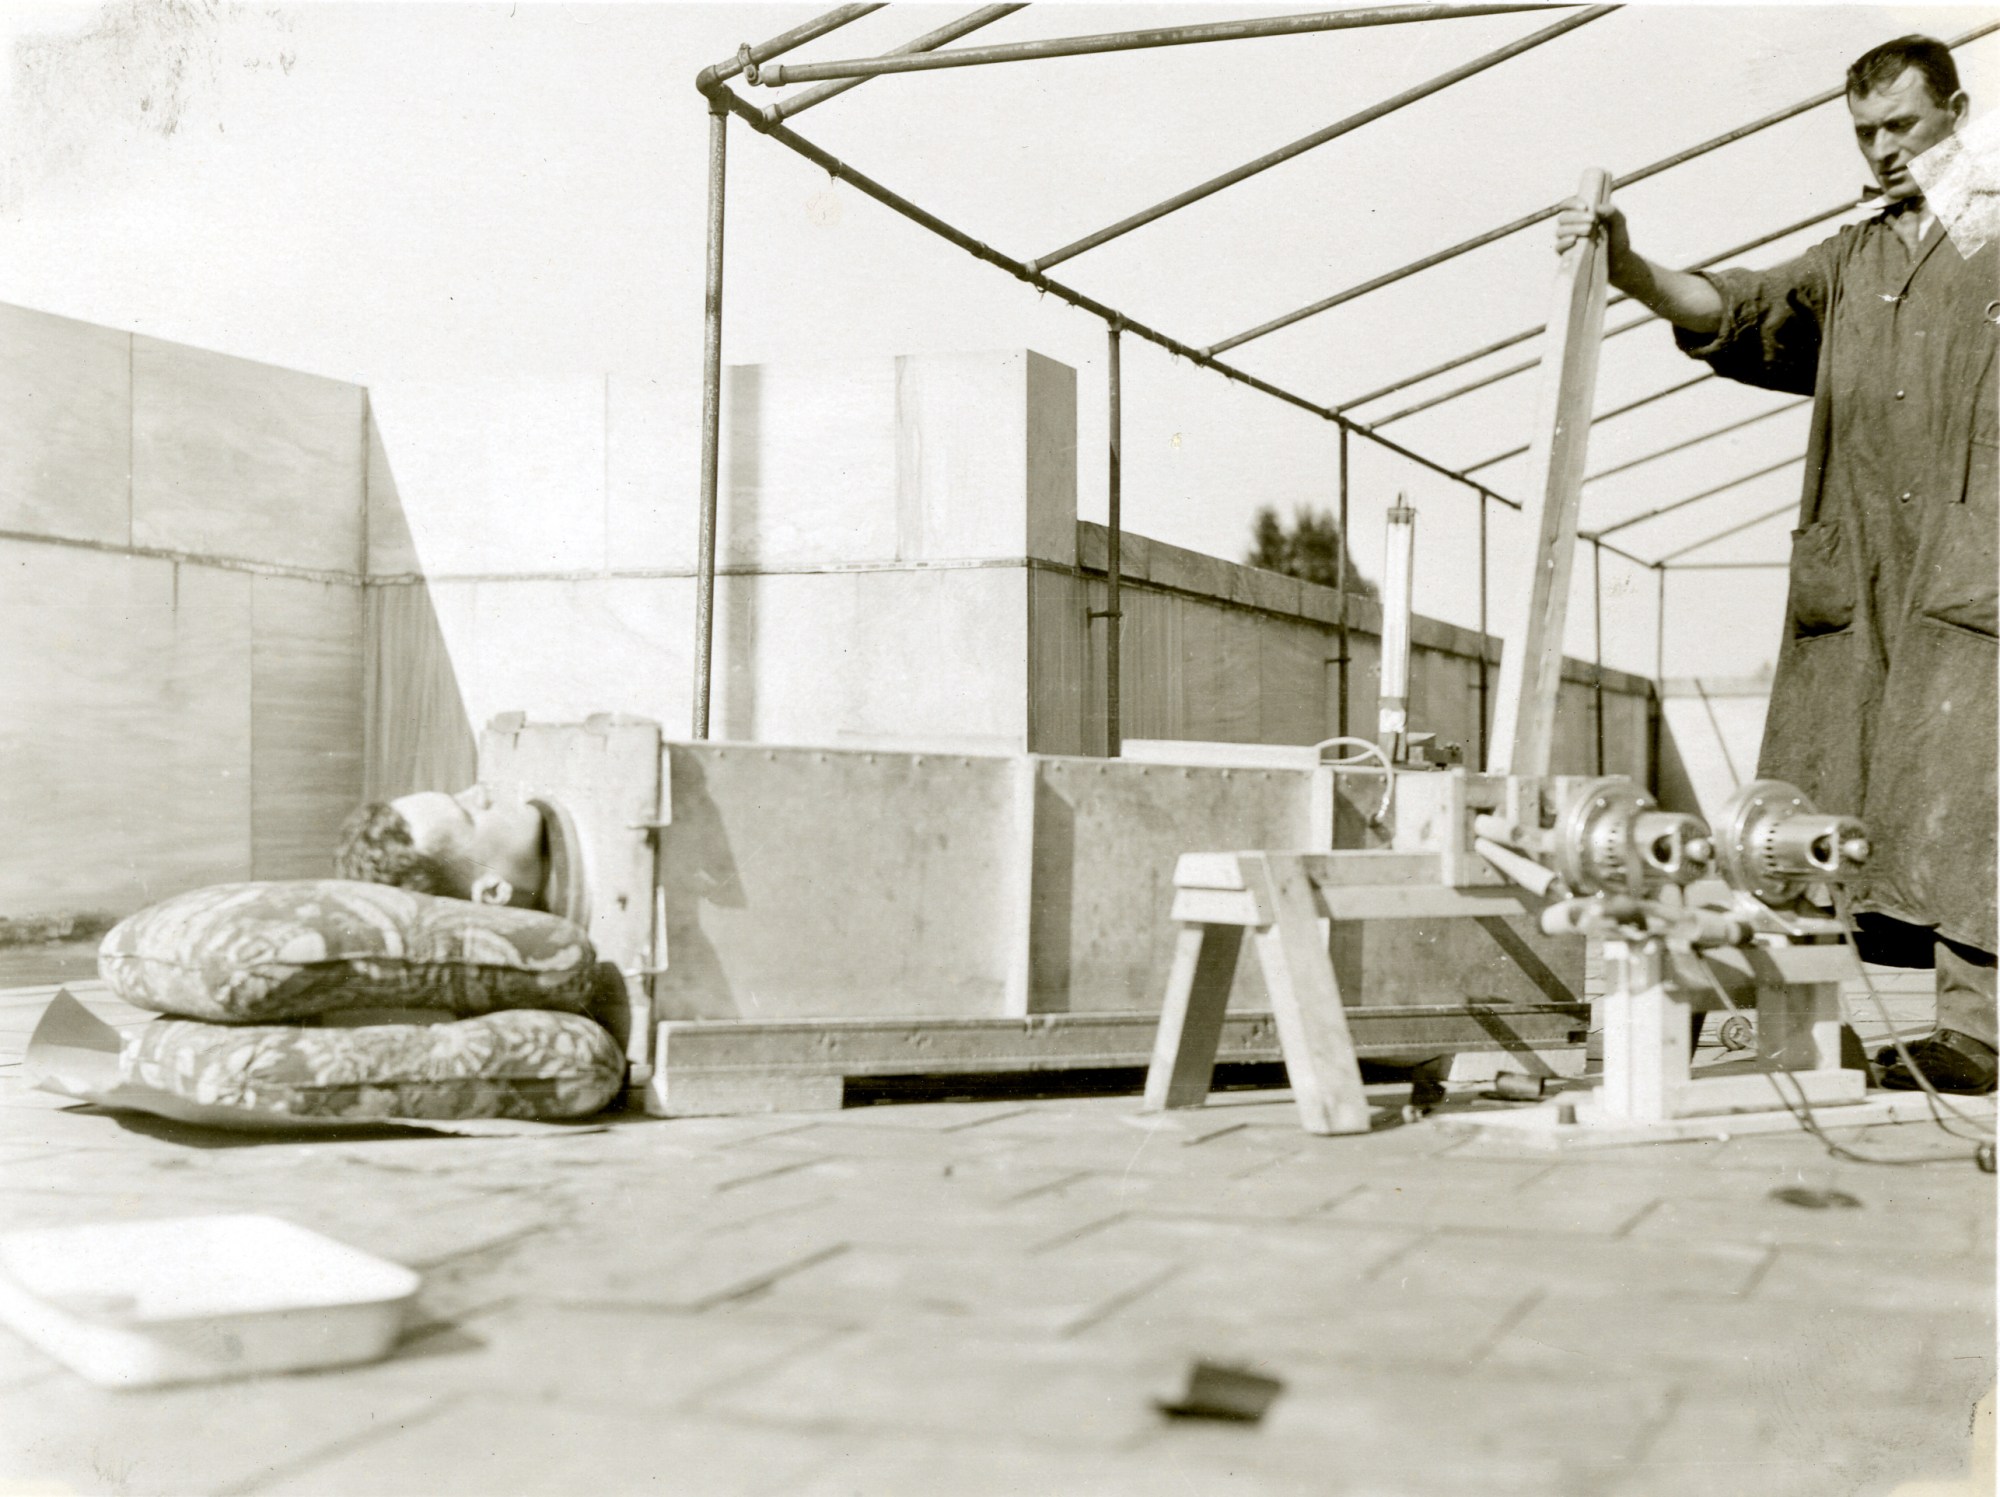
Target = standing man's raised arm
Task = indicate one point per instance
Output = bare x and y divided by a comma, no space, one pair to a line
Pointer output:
1685,299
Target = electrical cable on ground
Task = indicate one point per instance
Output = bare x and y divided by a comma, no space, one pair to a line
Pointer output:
1844,910
1802,1114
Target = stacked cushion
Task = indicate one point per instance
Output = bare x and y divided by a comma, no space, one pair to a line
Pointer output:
271,988
260,953
516,1064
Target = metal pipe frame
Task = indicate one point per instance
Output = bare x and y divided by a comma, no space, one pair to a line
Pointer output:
1340,580
1512,339
711,82
1721,535
748,58
1597,649
799,103
1728,566
914,56
711,418
1624,327
1610,415
1707,436
1128,41
1320,137
1485,637
833,166
1479,241
1637,561
1660,624
1446,397
1655,707
838,169
1114,617
1710,493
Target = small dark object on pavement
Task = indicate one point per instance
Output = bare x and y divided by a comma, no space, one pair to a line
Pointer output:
1813,1200
1216,1390
1983,1157
1517,1086
1427,1089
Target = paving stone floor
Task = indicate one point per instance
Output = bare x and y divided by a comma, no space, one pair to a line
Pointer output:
986,1297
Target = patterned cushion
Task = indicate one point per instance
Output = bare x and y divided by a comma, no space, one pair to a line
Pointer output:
518,1064
261,953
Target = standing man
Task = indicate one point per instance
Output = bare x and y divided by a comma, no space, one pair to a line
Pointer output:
1884,701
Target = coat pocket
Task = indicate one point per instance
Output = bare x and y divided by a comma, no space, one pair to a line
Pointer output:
1961,582
1822,595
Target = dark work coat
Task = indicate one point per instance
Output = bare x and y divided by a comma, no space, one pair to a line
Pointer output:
1883,704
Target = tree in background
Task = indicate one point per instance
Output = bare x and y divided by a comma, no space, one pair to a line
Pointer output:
1309,550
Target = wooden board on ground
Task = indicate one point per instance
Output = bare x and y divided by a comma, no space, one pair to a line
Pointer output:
1537,1127
711,1067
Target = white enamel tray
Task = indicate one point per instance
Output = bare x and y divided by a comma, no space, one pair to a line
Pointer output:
184,1299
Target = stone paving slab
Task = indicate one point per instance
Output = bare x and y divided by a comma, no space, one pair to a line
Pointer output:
608,1360
1759,1341
189,1440
1773,1444
1755,1216
482,1446
987,1297
972,1292
1376,1325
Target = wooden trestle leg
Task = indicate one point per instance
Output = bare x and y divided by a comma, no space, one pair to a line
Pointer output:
1306,1004
1183,1065
1271,895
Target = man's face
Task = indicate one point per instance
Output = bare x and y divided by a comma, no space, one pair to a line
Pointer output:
1895,125
497,850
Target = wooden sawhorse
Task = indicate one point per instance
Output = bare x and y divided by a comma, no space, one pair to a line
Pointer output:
1281,897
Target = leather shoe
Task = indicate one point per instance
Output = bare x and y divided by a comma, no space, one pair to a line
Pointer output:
1950,1061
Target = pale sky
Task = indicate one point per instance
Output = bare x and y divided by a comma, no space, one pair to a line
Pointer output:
423,196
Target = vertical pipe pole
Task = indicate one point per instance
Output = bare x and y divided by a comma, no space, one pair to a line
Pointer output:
1485,639
1113,617
1660,625
711,419
1597,646
1340,581
1655,720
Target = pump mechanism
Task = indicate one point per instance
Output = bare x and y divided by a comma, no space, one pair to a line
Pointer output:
1773,844
1612,838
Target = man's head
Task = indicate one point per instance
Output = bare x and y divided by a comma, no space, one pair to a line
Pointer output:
465,846
1904,98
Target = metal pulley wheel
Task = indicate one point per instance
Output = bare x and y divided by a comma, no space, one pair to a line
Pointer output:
1736,1033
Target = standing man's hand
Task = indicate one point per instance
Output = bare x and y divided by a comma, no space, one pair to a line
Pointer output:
1575,221
1687,300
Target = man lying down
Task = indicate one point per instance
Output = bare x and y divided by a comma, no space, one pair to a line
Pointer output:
291,1003
491,849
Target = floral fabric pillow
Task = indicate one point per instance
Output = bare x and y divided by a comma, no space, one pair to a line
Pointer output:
517,1064
259,953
